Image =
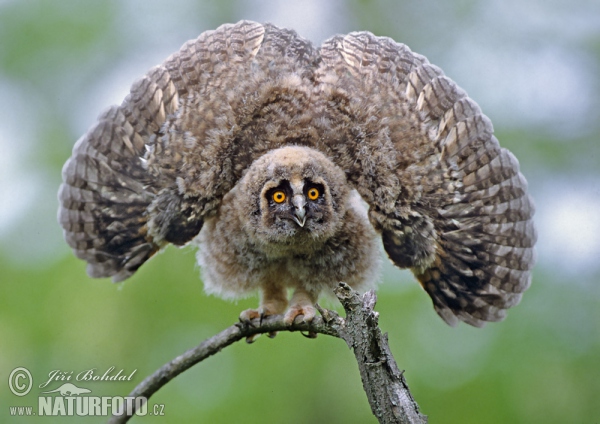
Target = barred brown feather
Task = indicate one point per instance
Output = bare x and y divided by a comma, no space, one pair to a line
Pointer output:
449,202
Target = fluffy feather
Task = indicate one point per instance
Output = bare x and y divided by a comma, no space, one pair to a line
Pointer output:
448,201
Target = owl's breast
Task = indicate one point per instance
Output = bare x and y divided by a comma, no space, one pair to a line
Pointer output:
235,262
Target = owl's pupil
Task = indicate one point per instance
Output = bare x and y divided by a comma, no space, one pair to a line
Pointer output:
313,194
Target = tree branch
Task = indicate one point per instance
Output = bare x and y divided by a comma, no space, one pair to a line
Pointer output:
383,382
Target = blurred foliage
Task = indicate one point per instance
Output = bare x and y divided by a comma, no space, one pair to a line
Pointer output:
539,366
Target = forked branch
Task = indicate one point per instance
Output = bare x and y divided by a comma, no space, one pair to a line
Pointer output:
383,382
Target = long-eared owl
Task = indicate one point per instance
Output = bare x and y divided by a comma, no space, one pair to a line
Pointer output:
287,163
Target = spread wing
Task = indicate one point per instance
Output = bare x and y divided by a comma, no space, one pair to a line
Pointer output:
450,202
150,169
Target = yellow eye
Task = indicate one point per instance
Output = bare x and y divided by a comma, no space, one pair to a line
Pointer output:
278,196
313,194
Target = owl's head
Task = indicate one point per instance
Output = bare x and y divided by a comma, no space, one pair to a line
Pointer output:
293,195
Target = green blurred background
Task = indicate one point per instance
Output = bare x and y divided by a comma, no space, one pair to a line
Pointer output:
532,65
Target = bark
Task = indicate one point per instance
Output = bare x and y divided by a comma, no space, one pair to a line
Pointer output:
384,384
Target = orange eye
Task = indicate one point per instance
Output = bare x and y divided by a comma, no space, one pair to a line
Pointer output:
313,194
278,196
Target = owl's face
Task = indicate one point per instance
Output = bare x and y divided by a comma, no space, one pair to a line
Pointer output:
294,195
296,205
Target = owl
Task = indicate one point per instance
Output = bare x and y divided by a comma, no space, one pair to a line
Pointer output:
289,164
292,221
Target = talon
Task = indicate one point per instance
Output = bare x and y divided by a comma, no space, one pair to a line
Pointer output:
307,312
271,334
251,339
263,313
248,315
309,335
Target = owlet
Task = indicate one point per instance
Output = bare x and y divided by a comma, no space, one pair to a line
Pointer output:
285,163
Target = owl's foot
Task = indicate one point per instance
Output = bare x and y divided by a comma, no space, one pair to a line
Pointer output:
248,315
261,313
307,312
273,302
302,304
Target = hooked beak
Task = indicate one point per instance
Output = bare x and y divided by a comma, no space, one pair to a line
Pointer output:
299,212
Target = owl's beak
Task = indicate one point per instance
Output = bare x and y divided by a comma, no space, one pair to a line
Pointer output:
299,212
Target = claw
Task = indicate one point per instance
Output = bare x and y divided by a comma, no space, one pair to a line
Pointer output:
261,313
246,318
251,339
248,315
307,312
